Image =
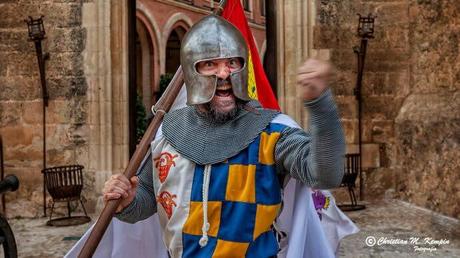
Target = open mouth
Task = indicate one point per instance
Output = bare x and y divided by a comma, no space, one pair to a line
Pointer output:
224,91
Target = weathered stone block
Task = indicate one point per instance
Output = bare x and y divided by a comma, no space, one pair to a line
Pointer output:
17,136
59,157
350,128
20,88
3,64
21,64
347,107
66,86
381,107
16,40
366,133
79,111
58,136
66,39
376,83
344,59
377,183
434,82
392,14
337,37
79,134
419,108
58,112
334,13
344,83
65,64
395,55
10,113
396,38
64,14
321,54
370,154
10,17
429,162
382,130
32,112
398,83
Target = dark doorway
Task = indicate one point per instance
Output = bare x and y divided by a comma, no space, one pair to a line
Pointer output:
173,50
132,76
270,60
144,65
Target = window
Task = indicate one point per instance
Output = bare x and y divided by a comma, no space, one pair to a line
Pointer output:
262,7
246,5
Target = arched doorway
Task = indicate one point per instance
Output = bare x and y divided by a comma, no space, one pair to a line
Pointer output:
144,64
173,49
144,93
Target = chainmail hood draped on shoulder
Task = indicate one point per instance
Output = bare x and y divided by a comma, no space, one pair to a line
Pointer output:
206,142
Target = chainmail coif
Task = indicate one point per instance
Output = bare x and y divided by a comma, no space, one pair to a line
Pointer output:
203,141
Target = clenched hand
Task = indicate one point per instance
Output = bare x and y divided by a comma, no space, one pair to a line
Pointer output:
118,186
313,78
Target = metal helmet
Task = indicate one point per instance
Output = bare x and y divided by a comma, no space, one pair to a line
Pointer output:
212,38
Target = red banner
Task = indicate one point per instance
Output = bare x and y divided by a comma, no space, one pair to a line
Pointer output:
258,85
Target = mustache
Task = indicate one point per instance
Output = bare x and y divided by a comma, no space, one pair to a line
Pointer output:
221,82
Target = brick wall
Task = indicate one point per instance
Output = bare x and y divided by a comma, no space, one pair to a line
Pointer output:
409,86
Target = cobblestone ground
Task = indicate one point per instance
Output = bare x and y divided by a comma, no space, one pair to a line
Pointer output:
390,226
386,221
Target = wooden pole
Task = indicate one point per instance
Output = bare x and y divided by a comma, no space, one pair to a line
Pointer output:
163,105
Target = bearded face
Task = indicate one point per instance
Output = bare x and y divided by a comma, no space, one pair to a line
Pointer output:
224,105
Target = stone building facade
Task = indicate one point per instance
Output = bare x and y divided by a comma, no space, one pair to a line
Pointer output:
411,96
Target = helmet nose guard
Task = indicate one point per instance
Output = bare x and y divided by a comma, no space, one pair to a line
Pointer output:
212,38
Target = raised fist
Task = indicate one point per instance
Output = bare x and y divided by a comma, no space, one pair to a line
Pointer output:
118,186
313,78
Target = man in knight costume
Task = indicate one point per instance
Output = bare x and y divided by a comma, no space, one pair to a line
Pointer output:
219,163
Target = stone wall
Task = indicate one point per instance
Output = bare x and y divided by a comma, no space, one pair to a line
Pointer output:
410,96
428,124
20,98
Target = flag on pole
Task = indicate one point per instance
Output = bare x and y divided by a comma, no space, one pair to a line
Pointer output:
258,85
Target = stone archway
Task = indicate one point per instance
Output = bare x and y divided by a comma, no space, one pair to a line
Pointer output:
178,23
144,16
145,55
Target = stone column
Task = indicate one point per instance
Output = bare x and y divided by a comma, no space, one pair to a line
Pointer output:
105,67
295,20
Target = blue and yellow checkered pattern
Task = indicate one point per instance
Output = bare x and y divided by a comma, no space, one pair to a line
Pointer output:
244,199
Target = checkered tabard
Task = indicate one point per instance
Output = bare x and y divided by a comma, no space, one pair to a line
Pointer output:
243,201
